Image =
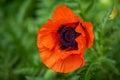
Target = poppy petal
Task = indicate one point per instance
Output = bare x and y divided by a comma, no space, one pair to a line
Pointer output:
50,26
63,15
76,60
81,39
47,38
69,64
48,57
89,33
62,54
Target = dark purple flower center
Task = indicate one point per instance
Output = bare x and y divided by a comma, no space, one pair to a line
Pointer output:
67,37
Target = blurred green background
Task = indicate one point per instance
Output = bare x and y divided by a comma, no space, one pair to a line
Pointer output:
20,20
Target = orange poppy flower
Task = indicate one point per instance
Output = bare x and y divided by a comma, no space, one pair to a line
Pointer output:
63,39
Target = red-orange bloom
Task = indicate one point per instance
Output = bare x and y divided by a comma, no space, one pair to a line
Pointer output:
63,39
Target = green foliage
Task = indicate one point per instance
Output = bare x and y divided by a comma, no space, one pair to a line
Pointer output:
20,20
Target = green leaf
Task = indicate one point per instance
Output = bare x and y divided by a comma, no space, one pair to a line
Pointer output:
49,75
106,16
109,65
23,10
